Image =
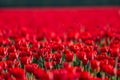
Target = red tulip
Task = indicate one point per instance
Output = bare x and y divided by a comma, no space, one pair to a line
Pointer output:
74,48
3,52
95,65
91,55
41,74
85,76
89,42
73,76
69,57
31,67
1,69
58,73
25,53
66,65
118,73
104,49
108,69
79,69
26,60
11,49
7,76
81,55
3,65
48,65
115,51
13,56
85,61
10,63
18,73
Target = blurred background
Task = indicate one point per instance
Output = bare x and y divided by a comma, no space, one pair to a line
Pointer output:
30,3
89,14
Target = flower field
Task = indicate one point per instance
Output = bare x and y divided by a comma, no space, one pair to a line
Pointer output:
64,44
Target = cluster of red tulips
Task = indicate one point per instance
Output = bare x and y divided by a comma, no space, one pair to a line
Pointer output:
74,55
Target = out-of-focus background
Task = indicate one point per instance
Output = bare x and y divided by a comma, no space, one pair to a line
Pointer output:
8,3
58,15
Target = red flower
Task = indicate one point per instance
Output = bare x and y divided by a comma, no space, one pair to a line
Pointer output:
3,52
41,74
11,49
118,73
109,69
58,73
81,55
18,73
13,56
79,69
25,52
95,65
3,65
1,69
85,35
31,67
10,63
7,76
74,48
91,55
57,57
73,76
26,60
17,64
69,57
104,49
115,51
57,46
66,65
85,61
89,42
85,76
48,65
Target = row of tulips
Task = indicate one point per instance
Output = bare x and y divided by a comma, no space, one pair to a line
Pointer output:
74,55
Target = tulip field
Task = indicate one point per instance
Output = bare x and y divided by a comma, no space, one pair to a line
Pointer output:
60,44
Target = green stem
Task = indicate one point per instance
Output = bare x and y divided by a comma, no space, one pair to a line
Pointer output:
89,66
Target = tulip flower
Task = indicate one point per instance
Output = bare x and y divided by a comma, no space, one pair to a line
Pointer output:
95,65
69,57
31,67
81,55
48,65
85,76
18,73
43,54
26,60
